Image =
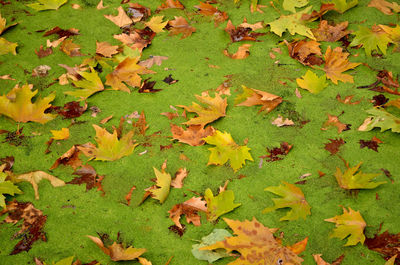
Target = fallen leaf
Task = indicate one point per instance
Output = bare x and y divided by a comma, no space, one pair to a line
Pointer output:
180,175
379,100
106,49
255,26
72,110
61,32
190,208
241,33
351,180
62,134
180,25
277,153
43,53
169,80
331,33
121,20
226,149
128,196
17,104
208,10
71,49
156,24
350,224
35,177
54,44
87,175
253,97
385,7
148,63
311,82
391,260
100,5
211,255
47,4
334,145
106,119
380,118
394,35
371,39
6,187
140,126
7,77
320,261
334,121
372,144
219,205
69,158
258,247
293,198
41,71
137,12
290,5
324,8
242,52
280,122
4,26
76,6
342,6
160,191
386,244
90,84
306,52
193,135
7,47
347,100
171,4
336,63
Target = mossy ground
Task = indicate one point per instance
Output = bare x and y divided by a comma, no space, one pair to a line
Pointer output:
73,213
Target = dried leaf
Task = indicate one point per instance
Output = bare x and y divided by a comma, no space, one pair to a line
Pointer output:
347,100
121,20
35,177
336,63
372,144
253,97
180,25
71,49
87,175
242,52
43,53
387,244
320,261
280,122
171,4
277,153
326,32
193,135
241,33
106,49
190,208
385,7
306,52
69,158
148,63
334,145
180,175
334,121
208,10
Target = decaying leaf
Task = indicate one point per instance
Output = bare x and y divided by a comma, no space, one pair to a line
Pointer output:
118,251
332,33
380,118
221,204
334,145
306,52
241,33
87,175
253,97
71,49
372,144
311,82
32,225
69,158
256,244
351,179
17,104
193,135
277,153
242,52
180,25
211,255
180,175
208,10
35,177
121,19
386,244
334,121
148,63
106,49
293,198
47,4
336,63
190,208
255,26
350,224
43,52
281,122
171,4
371,39
226,149
347,100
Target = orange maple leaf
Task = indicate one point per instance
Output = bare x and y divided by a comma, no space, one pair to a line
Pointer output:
336,63
193,135
180,25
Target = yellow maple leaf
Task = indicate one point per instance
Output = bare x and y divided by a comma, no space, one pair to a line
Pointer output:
312,82
161,190
109,148
36,176
349,224
215,109
90,84
3,26
7,47
17,104
336,63
156,24
256,245
61,134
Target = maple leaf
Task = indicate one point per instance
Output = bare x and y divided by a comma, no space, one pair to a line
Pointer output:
43,53
380,118
371,39
334,121
242,52
312,82
61,134
349,180
6,187
152,60
332,33
117,251
220,204
290,5
336,63
350,224
7,47
47,4
385,7
90,84
241,33
257,247
180,175
180,25
32,225
17,104
276,153
69,158
293,198
156,24
193,135
372,144
292,23
71,49
226,149
394,35
211,255
121,20
320,261
190,208
215,109
334,145
35,177
106,49
87,175
387,244
342,6
306,52
171,4
208,10
347,100
253,97
110,147
160,191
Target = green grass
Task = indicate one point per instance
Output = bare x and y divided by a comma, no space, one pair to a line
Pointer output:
146,226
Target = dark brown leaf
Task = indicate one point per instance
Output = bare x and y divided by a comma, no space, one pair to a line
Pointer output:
306,52
387,79
148,87
388,174
61,32
177,230
277,153
379,100
326,32
15,138
69,158
87,175
9,161
165,147
169,80
43,52
387,244
334,145
140,126
240,33
372,144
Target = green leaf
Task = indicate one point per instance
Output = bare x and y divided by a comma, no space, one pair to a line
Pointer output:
342,5
312,82
380,118
293,198
211,255
47,4
293,23
226,149
290,5
371,39
7,187
163,184
90,84
7,47
349,180
219,205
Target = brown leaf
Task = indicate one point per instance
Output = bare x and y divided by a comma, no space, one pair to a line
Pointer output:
386,78
255,26
386,244
121,19
106,119
100,5
208,10
170,115
258,97
385,6
180,175
193,135
72,110
137,12
61,32
169,80
180,25
372,144
241,33
71,49
43,53
320,261
334,145
148,63
242,52
7,77
32,225
140,126
69,158
347,100
87,175
334,121
171,4
379,100
6,163
277,153
55,43
147,87
35,177
336,63
306,52
318,14
106,49
190,208
326,32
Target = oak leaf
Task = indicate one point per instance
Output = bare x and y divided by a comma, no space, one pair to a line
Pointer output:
211,255
121,20
226,149
156,24
332,33
106,49
312,82
89,84
336,63
17,104
242,52
342,6
350,224
293,198
256,245
35,177
351,179
117,251
253,97
385,7
180,25
190,209
371,39
220,204
47,4
380,118
216,108
193,135
7,47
